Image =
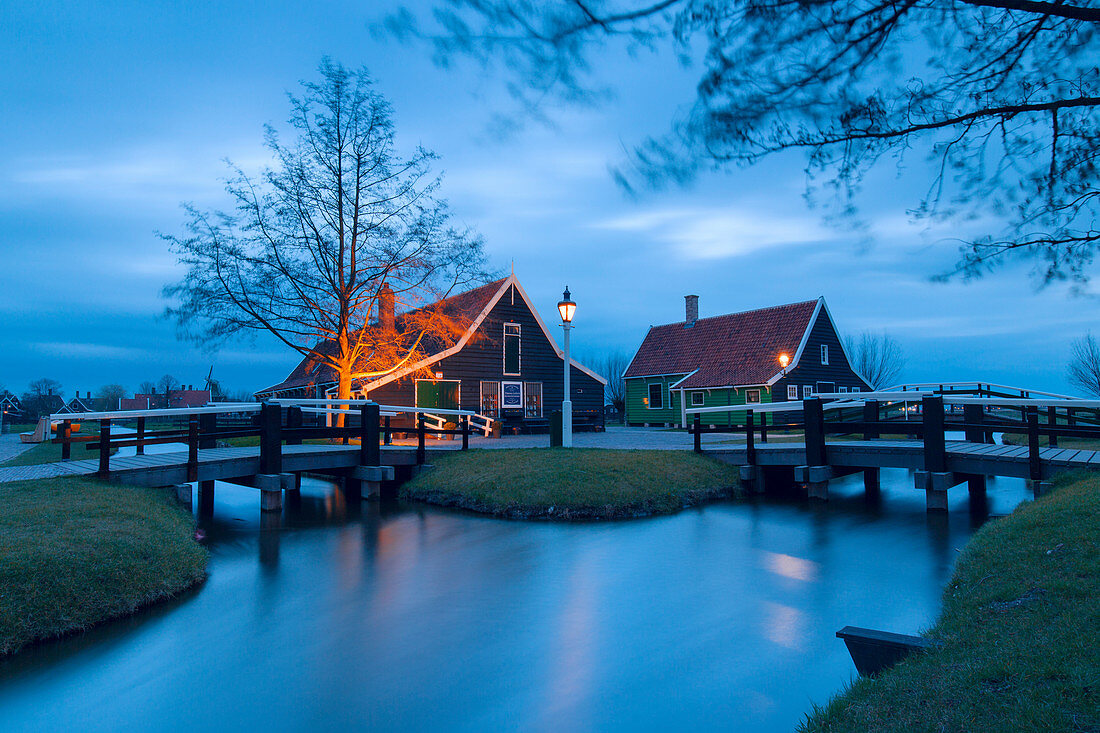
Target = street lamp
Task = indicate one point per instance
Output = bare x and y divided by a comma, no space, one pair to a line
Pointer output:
784,360
566,308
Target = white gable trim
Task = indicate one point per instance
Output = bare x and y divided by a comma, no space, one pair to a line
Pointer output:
509,282
802,344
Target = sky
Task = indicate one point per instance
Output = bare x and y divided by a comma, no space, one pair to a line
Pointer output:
114,114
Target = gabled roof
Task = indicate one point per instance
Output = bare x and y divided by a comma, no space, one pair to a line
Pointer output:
473,306
726,351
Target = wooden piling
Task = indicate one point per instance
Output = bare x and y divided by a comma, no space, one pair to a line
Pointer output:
935,444
420,452
271,440
104,449
192,447
66,435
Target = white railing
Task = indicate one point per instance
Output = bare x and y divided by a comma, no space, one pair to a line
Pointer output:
938,386
163,412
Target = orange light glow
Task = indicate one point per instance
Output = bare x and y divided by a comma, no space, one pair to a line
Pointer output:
784,360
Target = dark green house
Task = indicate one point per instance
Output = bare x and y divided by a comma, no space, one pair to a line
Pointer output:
736,359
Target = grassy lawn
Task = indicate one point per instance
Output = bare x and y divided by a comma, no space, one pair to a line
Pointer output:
1044,441
75,552
1020,629
555,483
48,452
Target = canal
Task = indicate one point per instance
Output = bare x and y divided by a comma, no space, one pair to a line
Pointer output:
408,617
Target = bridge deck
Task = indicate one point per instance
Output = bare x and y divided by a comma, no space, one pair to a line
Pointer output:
962,457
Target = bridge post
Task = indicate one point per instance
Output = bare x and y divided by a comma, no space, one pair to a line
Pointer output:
465,432
388,438
66,434
192,447
1052,421
974,418
934,479
420,454
813,417
104,449
294,422
697,427
870,416
271,438
140,448
208,424
750,440
1034,459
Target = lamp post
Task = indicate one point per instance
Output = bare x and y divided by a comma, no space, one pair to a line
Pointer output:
784,360
566,309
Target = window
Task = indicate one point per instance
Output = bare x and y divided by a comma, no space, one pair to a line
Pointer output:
511,348
655,397
490,399
696,399
843,389
752,396
807,391
533,395
825,354
792,391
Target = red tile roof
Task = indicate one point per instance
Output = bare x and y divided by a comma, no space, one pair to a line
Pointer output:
723,351
311,371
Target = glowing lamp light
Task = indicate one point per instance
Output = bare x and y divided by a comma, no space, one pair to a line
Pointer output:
566,307
784,360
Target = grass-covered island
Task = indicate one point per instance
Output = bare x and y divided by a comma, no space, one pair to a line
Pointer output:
552,483
1020,630
75,552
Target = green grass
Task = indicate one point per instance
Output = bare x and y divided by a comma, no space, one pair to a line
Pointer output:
75,552
49,452
555,483
1020,629
1044,441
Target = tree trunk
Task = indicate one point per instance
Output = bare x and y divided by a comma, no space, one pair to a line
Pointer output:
343,391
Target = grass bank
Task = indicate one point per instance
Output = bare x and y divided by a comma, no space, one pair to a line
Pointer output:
555,483
1020,629
75,552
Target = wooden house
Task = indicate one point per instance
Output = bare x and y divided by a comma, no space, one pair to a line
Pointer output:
184,396
734,359
86,403
505,366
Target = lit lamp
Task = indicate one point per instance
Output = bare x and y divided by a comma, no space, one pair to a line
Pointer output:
566,309
784,360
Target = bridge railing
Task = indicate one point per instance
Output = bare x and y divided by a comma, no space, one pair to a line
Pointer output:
866,415
273,423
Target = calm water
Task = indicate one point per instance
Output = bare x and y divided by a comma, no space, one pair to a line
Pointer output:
414,618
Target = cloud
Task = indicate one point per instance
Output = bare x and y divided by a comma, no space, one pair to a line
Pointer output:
75,350
719,233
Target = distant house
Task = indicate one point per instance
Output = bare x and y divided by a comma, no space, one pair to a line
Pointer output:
86,403
177,398
11,406
505,366
734,359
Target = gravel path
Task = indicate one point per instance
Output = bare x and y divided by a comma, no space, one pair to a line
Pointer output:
11,446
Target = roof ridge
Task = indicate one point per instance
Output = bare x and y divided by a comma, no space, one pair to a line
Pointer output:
741,313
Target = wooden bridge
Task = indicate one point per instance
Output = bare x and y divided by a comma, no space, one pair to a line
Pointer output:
362,459
920,419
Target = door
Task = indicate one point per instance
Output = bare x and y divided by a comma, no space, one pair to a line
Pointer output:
437,394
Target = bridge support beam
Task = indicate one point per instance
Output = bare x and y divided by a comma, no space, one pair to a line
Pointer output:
871,482
816,479
935,485
1039,488
752,479
370,479
183,494
206,498
271,486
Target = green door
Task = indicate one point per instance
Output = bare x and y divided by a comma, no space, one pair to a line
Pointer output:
437,395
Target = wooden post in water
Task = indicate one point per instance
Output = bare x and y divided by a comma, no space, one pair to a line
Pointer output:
104,449
974,419
420,439
1052,421
139,449
750,443
814,418
192,447
66,434
870,416
208,425
369,452
935,444
698,433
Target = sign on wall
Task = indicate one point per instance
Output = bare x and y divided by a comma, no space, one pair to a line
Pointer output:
511,397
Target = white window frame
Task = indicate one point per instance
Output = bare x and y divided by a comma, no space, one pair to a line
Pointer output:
702,399
842,389
481,397
807,391
792,391
649,395
504,351
526,396
825,355
522,397
756,392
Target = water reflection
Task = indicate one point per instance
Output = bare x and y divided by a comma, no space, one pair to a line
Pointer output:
394,617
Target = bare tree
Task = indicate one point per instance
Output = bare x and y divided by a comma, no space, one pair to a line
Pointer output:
1084,367
611,365
45,386
322,248
112,393
147,387
1002,95
167,383
877,357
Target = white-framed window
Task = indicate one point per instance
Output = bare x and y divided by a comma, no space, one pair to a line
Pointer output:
656,396
792,391
842,389
807,391
752,396
490,399
696,399
532,396
825,354
511,349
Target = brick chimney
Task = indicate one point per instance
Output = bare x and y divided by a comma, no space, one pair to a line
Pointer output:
691,310
385,308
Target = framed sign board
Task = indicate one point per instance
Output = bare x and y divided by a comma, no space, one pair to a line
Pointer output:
511,395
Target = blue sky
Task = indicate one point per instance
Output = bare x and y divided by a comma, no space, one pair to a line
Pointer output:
116,113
